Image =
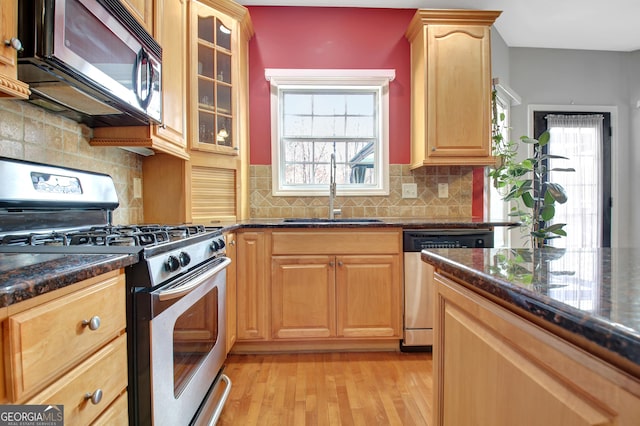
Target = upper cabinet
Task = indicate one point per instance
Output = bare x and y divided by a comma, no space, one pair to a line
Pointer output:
451,87
170,29
218,39
10,86
142,10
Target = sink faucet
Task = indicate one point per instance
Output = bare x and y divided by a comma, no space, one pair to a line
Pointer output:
332,188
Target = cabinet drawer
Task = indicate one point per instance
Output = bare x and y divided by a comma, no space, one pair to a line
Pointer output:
46,341
337,242
116,414
106,371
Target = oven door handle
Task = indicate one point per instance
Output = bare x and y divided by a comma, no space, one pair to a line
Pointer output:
190,285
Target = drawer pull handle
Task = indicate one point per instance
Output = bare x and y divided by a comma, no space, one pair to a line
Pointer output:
340,263
93,323
95,397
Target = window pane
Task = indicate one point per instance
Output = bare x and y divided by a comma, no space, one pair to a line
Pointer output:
296,126
361,104
297,103
329,104
323,152
359,127
296,151
328,126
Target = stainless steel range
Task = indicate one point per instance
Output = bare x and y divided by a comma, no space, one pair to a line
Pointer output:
176,292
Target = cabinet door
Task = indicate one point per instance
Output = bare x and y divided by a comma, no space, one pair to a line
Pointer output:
10,87
252,284
171,33
142,10
458,89
303,296
214,37
368,295
232,299
493,367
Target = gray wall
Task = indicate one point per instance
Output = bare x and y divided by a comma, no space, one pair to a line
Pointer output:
587,78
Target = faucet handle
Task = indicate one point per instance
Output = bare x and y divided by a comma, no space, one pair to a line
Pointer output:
337,212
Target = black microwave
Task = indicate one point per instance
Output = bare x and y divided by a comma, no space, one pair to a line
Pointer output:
91,61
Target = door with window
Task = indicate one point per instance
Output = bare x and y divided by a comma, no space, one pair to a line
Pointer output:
585,139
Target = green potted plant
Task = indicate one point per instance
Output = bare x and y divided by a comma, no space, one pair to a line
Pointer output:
525,182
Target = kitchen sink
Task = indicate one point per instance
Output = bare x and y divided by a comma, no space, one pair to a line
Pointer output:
326,220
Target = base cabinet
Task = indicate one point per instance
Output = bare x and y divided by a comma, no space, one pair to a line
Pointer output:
70,348
330,285
334,296
252,282
494,367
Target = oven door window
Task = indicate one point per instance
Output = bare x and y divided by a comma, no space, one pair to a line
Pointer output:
195,333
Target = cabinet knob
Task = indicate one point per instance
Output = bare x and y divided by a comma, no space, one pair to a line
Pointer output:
94,397
433,148
93,323
332,264
15,43
340,263
232,242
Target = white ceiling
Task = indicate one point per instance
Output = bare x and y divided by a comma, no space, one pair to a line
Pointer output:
563,24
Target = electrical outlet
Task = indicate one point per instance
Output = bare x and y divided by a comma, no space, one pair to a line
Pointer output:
443,190
137,188
409,190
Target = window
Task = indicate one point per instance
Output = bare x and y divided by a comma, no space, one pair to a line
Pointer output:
317,113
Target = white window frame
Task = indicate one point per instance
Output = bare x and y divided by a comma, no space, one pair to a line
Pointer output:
308,78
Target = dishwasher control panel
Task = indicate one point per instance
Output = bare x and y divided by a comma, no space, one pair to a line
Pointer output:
415,240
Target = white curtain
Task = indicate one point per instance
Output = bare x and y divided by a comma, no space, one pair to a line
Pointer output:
578,137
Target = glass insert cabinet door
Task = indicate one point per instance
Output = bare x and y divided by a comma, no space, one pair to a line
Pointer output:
212,81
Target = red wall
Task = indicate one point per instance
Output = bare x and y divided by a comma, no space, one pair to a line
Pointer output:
318,38
342,38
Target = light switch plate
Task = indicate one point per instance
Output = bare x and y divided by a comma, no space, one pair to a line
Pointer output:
443,190
409,190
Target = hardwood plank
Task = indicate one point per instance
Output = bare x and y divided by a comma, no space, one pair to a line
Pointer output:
346,388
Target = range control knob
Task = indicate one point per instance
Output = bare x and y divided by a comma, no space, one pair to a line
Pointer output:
184,258
216,245
172,264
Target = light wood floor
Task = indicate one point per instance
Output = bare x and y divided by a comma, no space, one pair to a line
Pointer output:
381,388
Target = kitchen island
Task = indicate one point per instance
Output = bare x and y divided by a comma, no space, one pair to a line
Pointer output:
550,336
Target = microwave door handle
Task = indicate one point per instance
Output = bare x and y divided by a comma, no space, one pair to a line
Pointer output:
142,60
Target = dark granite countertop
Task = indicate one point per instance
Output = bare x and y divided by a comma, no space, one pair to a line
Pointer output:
384,222
24,275
592,294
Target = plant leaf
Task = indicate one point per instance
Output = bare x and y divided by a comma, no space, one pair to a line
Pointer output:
557,192
548,211
527,199
548,198
528,140
559,169
543,139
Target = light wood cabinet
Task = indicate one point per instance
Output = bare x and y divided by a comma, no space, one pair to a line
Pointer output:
10,86
232,296
170,29
492,366
336,284
142,10
451,87
219,32
202,190
252,285
212,185
335,296
69,345
303,291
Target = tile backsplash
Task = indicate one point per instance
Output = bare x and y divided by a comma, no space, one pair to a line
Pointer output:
30,133
457,205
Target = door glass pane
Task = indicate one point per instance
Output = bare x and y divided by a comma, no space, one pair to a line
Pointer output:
194,335
223,36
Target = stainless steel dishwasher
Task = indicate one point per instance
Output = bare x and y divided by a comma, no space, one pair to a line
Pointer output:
418,279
